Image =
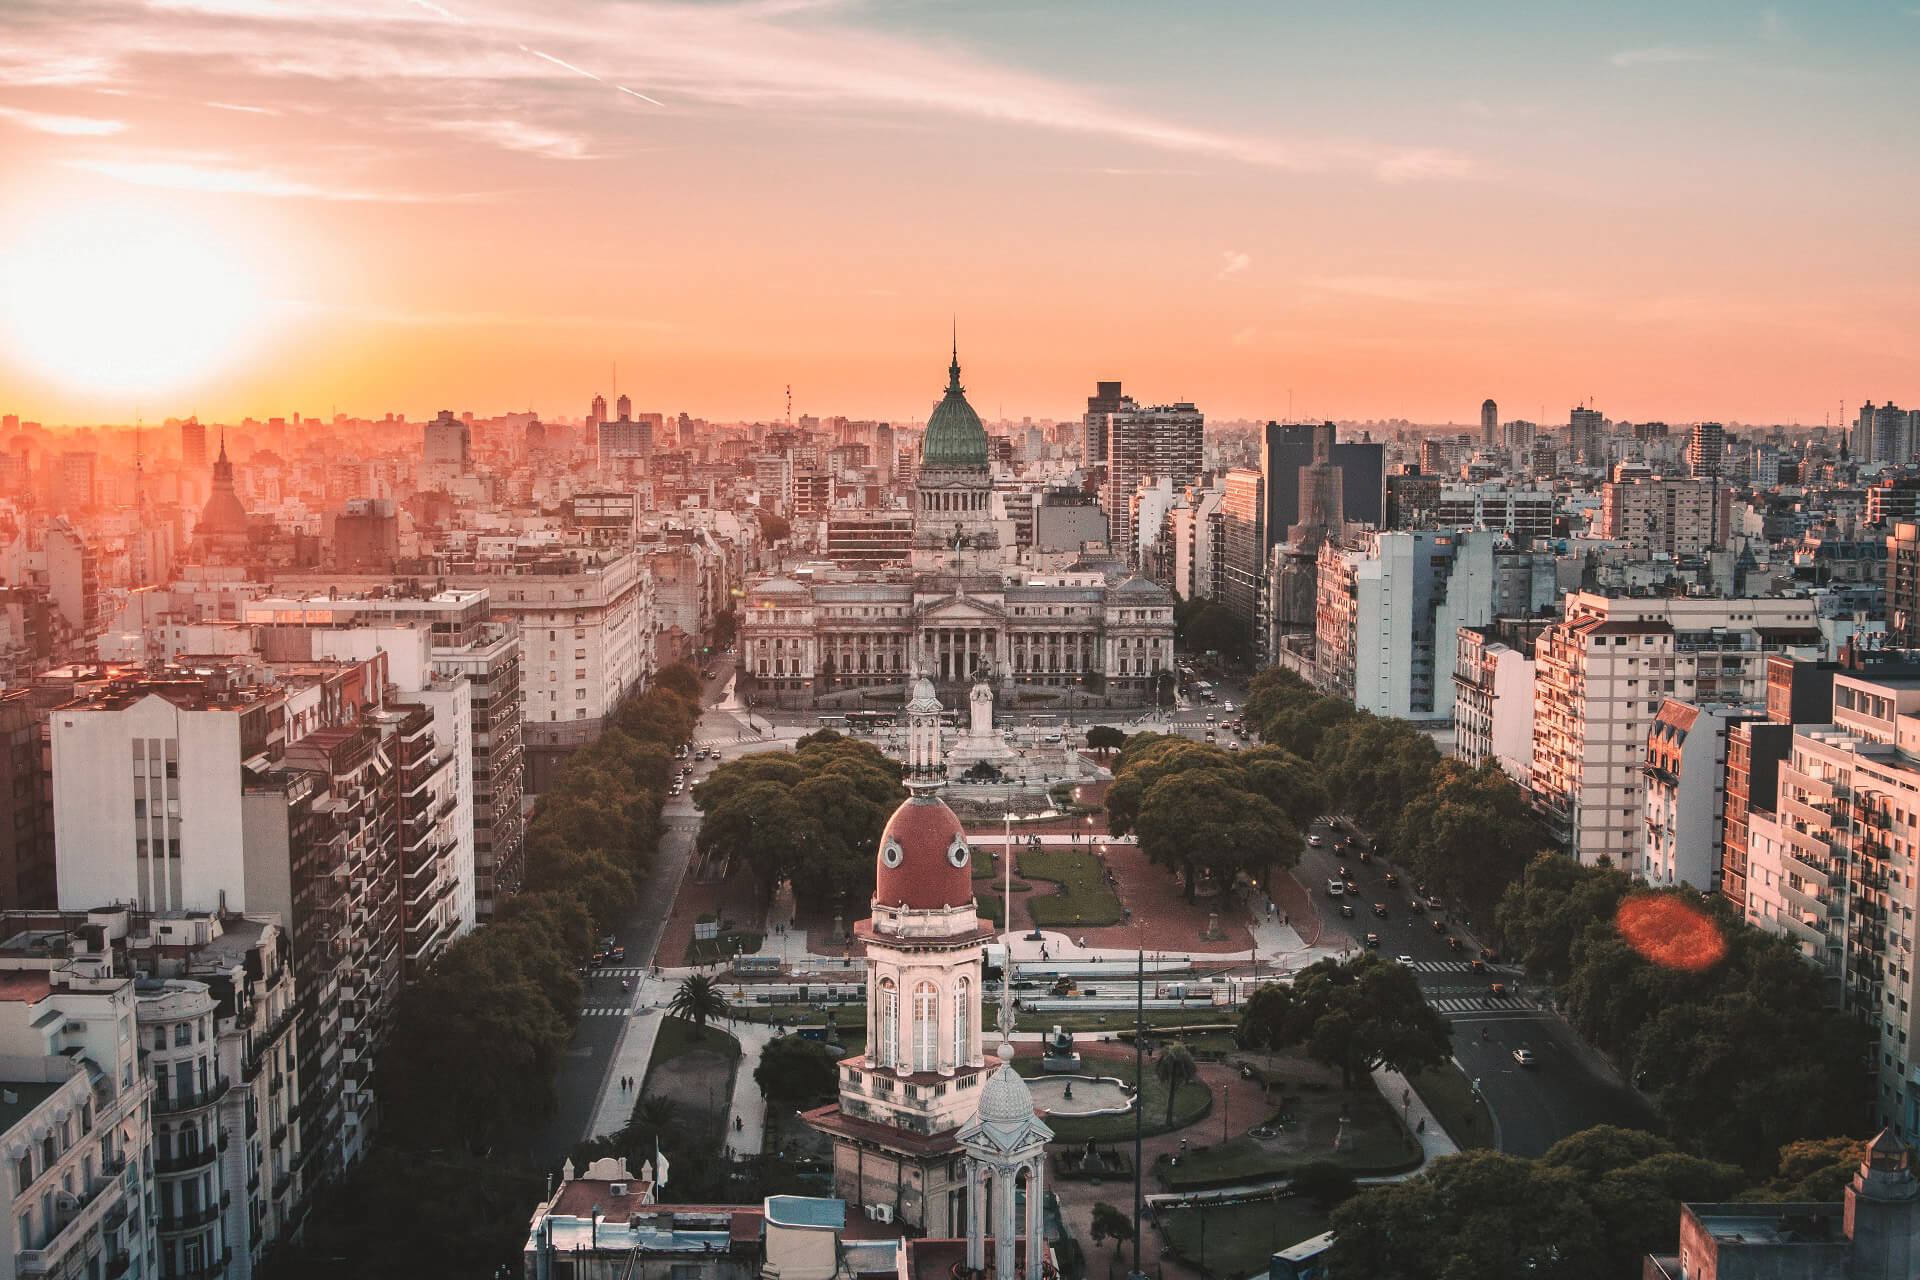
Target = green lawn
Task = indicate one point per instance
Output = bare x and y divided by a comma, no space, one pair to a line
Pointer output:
1373,1142
1234,1241
1449,1095
678,1036
1192,1103
1083,897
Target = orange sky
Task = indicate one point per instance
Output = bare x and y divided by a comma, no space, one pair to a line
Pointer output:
1394,213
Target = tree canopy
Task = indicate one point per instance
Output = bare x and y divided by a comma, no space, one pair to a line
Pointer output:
796,1073
1468,834
1353,1014
1197,808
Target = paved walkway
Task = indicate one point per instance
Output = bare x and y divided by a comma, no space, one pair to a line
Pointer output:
630,1058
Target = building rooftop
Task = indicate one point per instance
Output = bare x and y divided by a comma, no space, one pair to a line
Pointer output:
18,1098
806,1211
1772,1224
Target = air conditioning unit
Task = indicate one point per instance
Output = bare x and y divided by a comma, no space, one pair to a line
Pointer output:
617,1188
883,1213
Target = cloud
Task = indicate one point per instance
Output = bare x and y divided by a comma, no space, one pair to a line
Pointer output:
69,126
235,106
786,57
1236,262
1660,53
513,135
187,176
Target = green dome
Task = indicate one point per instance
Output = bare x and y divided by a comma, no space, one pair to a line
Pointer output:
954,436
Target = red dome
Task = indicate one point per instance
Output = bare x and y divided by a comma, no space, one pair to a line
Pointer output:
915,868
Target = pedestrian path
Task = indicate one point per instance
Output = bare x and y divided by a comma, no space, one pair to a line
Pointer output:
630,1058
606,1011
1479,1004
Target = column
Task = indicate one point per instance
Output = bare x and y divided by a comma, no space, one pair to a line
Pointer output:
1006,1194
1036,1234
976,1216
966,653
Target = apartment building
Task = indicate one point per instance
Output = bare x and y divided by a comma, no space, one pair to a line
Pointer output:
467,645
1159,442
1655,514
75,1124
1685,806
1520,513
1389,610
1492,702
1603,673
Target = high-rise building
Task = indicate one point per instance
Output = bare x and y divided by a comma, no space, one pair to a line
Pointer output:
1587,436
1660,514
1093,437
623,407
1243,566
1489,424
1903,585
446,447
1602,674
597,413
1706,449
1492,702
1287,448
1160,443
1686,798
193,445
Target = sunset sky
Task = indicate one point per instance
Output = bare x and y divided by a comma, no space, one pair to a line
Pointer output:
269,206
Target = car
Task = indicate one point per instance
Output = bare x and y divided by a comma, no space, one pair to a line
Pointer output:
1405,960
1365,856
1346,909
1498,989
1453,944
1211,735
1227,707
598,959
707,674
1523,1056
1380,909
1434,904
1353,888
616,955
1373,939
1438,927
1335,888
1345,874
1392,880
1233,746
1316,840
1478,966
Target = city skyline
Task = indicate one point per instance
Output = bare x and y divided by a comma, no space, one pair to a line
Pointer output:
265,206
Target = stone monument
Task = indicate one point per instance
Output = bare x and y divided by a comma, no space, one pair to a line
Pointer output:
980,744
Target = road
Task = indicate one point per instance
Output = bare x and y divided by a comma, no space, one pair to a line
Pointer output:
1570,1087
578,1085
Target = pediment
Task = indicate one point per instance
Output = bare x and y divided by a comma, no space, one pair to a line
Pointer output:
956,612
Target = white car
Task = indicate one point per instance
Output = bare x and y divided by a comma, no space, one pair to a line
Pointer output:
1407,961
1523,1056
1227,707
1335,888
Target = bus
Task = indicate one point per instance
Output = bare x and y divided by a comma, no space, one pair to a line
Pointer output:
1303,1261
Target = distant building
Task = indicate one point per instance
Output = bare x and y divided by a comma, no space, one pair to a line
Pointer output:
1489,424
1685,805
1492,702
1706,448
1159,443
446,448
1105,400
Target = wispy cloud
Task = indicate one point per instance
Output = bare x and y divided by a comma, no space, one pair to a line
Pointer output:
238,106
70,126
187,176
1236,262
1655,55
513,135
793,57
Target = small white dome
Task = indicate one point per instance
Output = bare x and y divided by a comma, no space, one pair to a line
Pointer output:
925,702
1006,1102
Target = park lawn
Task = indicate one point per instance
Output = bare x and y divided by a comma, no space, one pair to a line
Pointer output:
1376,1143
723,948
1233,1241
1449,1095
1083,898
679,1036
1190,1105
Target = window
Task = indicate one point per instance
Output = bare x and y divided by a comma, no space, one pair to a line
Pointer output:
962,1023
889,1028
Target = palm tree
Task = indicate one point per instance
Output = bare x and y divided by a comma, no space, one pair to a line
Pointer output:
1175,1068
698,999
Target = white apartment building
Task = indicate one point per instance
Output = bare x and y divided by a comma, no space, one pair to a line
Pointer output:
1601,676
1389,612
1492,703
1686,796
1520,512
74,1120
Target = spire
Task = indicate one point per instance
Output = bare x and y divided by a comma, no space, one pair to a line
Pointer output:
223,444
953,370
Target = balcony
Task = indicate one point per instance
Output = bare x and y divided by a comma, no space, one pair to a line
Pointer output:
117,1264
187,1163
191,1221
214,1268
175,1104
71,1224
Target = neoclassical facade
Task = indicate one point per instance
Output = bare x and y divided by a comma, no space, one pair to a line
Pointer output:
1054,630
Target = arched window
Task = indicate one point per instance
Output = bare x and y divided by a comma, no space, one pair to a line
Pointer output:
962,1022
889,1028
926,1028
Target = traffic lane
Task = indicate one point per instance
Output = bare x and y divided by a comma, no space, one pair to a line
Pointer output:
1560,1094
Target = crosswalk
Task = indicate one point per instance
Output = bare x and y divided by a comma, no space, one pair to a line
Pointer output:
618,973
606,1011
1479,1004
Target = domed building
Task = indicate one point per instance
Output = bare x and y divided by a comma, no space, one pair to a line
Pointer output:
921,1078
221,535
953,496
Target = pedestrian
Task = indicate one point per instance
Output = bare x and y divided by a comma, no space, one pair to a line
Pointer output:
738,1124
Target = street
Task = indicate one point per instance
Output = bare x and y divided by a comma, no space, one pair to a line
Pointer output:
1570,1086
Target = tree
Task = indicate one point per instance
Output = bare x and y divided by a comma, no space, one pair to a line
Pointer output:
1106,739
1556,903
794,1072
698,999
726,625
1325,1183
1290,782
773,528
1206,820
1812,1170
1110,1223
1364,1013
1270,1018
679,678
1469,834
1377,765
1176,1068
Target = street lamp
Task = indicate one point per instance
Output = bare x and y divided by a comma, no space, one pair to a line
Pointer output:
1139,1272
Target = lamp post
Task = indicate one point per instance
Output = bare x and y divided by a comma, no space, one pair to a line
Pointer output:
1139,1092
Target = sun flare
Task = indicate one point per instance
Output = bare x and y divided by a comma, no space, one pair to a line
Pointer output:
124,300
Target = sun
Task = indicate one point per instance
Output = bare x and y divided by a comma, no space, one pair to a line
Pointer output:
125,300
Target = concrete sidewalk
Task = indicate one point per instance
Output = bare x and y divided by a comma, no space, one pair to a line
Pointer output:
630,1058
